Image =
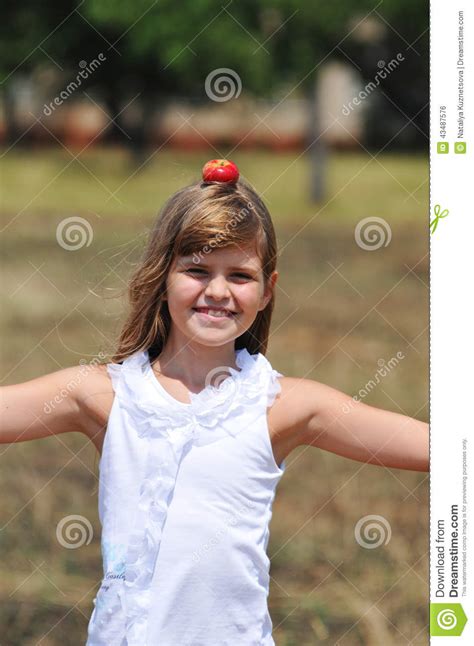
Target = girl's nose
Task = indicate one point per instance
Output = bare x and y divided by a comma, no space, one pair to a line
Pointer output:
217,288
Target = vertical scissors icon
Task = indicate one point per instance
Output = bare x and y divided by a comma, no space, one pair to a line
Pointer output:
438,215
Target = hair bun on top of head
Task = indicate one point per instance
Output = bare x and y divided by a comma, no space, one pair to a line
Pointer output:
220,170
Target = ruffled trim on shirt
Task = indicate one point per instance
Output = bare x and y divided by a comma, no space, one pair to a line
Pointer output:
171,431
202,419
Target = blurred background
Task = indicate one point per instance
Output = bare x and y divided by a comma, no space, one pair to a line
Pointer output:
107,107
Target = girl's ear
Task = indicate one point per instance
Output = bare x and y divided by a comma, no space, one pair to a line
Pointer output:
270,285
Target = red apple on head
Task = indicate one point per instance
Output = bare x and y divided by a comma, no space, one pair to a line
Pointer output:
220,170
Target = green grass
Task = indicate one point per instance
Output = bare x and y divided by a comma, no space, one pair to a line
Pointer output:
332,326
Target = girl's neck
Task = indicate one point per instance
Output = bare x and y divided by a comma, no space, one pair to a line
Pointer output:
192,363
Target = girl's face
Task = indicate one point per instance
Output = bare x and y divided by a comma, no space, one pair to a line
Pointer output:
229,280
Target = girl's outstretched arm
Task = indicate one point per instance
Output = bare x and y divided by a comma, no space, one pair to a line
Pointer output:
41,407
333,421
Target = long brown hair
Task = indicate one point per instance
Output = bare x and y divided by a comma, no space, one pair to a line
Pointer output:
193,221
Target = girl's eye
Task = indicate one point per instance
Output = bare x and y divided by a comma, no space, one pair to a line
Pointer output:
202,271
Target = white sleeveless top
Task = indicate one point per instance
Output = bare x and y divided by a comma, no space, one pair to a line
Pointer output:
185,501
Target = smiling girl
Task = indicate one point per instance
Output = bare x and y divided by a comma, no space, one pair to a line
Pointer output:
194,428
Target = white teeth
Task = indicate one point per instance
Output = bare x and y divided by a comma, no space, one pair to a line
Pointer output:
217,313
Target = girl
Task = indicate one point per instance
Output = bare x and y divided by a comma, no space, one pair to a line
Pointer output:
194,427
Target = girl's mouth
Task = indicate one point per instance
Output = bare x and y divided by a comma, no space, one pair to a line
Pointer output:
213,314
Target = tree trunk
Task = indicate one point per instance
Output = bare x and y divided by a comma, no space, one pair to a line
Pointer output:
317,152
12,131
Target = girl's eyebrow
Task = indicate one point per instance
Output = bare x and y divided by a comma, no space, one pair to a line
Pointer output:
189,261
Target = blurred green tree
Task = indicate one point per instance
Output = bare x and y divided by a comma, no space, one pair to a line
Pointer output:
161,50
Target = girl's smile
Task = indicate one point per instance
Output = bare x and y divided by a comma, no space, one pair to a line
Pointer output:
214,314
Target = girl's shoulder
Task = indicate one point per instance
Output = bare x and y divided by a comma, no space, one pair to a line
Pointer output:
284,417
293,408
95,398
